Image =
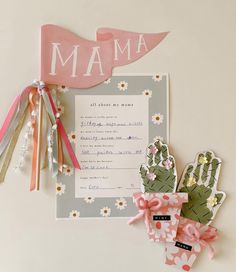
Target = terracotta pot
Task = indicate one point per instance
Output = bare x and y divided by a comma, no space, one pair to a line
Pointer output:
183,251
164,222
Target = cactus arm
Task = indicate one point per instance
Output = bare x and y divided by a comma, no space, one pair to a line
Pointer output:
215,169
187,174
206,167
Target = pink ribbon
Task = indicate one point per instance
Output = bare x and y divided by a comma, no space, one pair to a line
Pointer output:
192,234
146,208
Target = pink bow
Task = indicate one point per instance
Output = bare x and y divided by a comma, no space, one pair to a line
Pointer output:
192,234
146,207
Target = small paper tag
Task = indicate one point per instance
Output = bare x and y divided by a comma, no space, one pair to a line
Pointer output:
161,217
184,246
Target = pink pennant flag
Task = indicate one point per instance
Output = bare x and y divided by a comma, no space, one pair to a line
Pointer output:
67,59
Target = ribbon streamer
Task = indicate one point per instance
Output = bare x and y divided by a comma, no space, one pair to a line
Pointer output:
9,133
54,134
63,133
6,158
32,108
14,115
11,129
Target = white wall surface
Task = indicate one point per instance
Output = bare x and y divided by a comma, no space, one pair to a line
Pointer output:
200,56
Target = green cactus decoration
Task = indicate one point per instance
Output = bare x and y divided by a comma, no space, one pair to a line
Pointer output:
200,180
159,174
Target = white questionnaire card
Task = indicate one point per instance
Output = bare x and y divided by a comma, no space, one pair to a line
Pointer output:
112,133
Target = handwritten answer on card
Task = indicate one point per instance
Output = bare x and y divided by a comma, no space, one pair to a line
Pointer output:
112,140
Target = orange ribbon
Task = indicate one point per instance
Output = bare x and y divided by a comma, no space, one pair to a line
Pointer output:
32,105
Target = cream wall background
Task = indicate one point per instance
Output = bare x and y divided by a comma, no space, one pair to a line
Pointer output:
200,56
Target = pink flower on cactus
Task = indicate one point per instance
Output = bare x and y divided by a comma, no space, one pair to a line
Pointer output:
153,149
168,164
151,176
